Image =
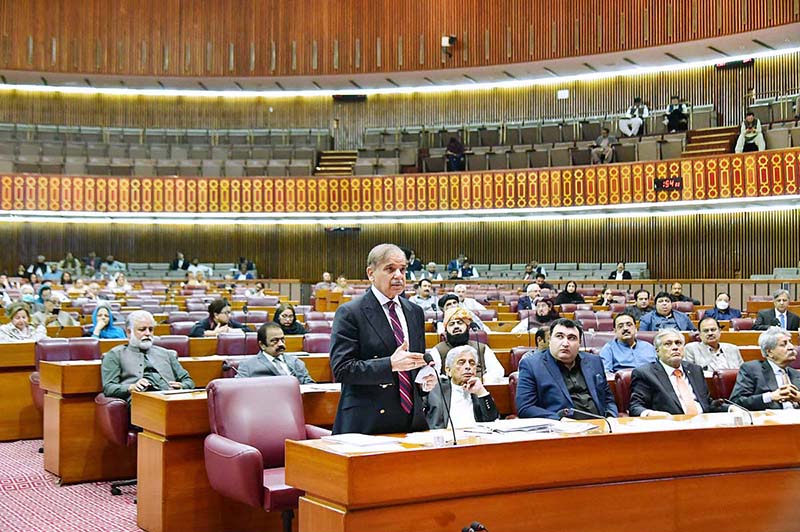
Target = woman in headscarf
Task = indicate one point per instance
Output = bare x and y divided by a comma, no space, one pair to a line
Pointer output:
103,324
285,317
570,295
19,328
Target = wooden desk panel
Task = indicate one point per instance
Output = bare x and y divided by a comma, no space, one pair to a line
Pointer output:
19,418
593,473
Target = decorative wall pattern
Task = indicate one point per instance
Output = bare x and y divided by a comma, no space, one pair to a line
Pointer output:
771,173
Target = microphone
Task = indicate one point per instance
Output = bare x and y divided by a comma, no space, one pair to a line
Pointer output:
244,309
474,326
722,401
570,413
775,323
474,527
429,361
226,366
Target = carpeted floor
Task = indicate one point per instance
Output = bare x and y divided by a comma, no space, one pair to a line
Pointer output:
30,500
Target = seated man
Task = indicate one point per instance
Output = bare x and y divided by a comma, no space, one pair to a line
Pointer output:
532,292
620,273
624,352
751,137
670,385
326,283
449,301
634,118
540,280
273,360
457,323
51,315
430,273
769,384
664,316
468,271
218,321
641,305
722,309
542,341
424,296
467,302
779,315
676,293
677,115
562,378
709,353
603,150
141,366
463,390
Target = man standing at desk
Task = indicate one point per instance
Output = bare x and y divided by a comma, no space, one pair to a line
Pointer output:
562,378
377,345
141,366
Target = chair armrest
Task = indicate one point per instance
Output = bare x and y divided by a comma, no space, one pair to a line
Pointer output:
314,433
235,470
113,417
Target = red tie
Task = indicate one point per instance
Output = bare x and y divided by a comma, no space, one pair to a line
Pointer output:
406,394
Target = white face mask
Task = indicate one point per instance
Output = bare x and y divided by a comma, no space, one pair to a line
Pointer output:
722,305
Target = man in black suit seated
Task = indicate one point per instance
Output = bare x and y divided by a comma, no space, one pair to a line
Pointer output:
273,360
377,346
669,385
462,390
179,262
620,274
769,384
779,315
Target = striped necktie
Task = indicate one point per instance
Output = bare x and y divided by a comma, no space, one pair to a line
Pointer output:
404,377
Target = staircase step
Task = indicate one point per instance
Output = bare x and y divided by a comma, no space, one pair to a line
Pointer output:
701,153
725,144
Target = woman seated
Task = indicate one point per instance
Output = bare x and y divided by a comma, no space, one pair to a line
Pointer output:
218,321
19,329
119,283
606,299
103,324
78,288
66,280
285,317
52,316
570,295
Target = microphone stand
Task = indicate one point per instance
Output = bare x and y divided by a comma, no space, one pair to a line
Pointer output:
569,412
730,403
429,359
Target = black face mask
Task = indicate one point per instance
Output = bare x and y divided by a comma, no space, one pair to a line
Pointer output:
457,339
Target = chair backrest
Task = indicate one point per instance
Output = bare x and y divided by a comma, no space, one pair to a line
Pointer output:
742,324
317,343
113,418
84,349
581,314
230,367
235,411
51,350
516,356
569,307
683,306
178,343
178,316
605,324
617,307
262,301
231,344
315,326
181,328
722,382
512,390
251,344
195,306
622,389
597,339
487,315
198,315
646,336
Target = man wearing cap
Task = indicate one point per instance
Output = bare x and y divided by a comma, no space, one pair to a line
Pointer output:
457,323
634,118
448,301
430,273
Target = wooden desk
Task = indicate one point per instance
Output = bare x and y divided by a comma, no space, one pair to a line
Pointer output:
19,418
174,494
593,483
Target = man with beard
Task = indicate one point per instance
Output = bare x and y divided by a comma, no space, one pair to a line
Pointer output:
462,389
424,296
273,360
457,323
141,366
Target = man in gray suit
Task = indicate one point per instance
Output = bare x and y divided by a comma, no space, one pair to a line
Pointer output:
273,360
468,400
141,366
769,384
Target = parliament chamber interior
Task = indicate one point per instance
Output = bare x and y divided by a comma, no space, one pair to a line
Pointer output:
345,266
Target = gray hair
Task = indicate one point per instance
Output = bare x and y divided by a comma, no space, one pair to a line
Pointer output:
456,287
779,292
768,340
138,315
381,252
454,353
659,338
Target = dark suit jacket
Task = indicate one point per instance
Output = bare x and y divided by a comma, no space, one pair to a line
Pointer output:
767,316
756,378
651,389
436,414
361,344
541,391
174,265
199,329
625,275
524,303
257,366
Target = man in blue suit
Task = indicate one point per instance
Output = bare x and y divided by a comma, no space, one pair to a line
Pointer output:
561,378
664,317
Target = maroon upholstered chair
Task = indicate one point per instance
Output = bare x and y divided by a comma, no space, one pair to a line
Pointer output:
178,316
604,314
181,328
231,344
197,315
617,307
588,323
175,342
646,336
262,301
722,382
317,343
584,314
525,313
569,307
314,315
597,339
245,453
700,313
796,362
622,390
319,326
113,418
486,315
513,379
230,366
742,324
84,349
516,356
683,306
605,324
196,306
583,306
513,306
479,336
251,344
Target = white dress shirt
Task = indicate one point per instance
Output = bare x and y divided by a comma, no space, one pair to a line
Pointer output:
461,409
494,369
780,377
382,299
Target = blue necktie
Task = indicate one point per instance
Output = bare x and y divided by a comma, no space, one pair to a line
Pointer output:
783,321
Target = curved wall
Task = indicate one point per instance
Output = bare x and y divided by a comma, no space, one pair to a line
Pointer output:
319,37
